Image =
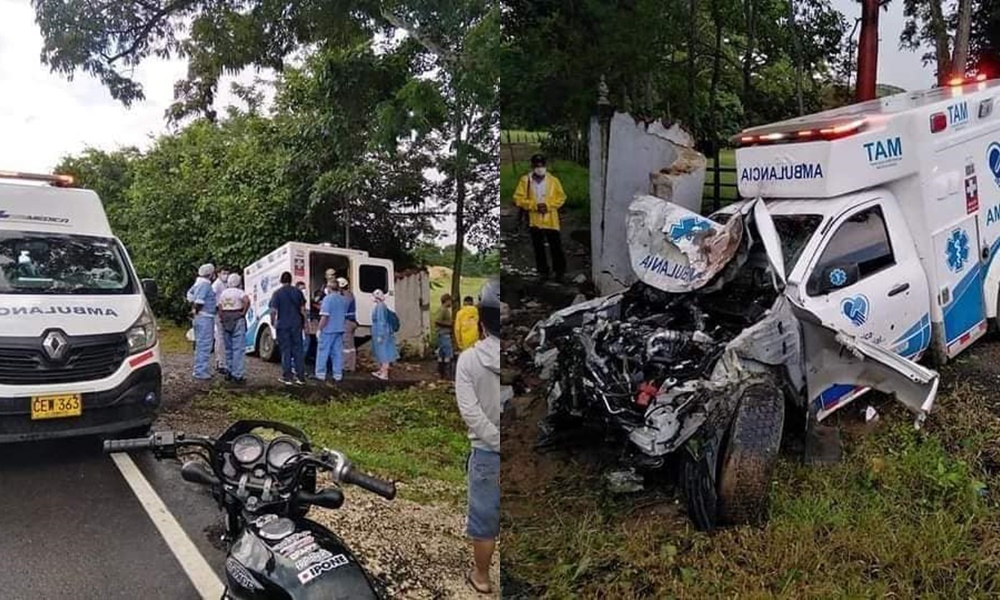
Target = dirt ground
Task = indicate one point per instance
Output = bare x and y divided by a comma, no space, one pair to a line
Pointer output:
418,551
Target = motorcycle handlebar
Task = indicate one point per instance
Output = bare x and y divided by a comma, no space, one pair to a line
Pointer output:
386,489
128,444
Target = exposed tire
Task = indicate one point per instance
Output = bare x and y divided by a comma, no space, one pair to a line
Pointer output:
266,348
728,481
751,453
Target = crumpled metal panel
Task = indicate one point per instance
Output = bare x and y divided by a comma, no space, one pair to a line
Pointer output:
677,250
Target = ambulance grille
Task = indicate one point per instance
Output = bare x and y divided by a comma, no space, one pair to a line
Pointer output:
23,361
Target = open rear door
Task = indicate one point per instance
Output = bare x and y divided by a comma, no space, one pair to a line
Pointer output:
837,358
367,275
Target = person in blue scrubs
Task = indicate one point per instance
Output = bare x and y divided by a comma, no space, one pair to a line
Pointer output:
203,306
332,325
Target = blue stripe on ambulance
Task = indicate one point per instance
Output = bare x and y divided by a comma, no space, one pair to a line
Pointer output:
251,336
912,343
966,308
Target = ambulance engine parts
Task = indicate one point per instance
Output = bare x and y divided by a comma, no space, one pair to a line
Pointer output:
78,344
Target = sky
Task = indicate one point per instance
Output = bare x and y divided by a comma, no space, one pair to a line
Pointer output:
896,67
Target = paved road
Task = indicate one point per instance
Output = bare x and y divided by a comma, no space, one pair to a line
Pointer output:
71,527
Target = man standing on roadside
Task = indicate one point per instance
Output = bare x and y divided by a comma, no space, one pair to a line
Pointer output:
541,194
480,400
446,349
288,310
219,286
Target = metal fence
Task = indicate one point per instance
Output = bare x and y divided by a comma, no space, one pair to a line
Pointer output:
720,183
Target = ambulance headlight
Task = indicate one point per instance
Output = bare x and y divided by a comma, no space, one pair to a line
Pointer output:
142,335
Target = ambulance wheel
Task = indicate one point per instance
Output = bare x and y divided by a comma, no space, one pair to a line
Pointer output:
751,453
266,347
729,482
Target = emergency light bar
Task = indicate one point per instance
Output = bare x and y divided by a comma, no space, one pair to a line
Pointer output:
960,81
56,180
793,132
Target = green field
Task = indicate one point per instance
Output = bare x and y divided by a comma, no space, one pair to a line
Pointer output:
401,434
907,514
575,181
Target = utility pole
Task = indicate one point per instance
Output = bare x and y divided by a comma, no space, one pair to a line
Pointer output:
868,51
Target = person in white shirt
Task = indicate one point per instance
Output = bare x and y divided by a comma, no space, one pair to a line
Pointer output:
233,305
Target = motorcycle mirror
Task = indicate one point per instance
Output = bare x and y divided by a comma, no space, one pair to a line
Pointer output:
196,471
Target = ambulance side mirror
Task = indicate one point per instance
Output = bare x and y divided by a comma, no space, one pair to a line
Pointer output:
832,278
151,290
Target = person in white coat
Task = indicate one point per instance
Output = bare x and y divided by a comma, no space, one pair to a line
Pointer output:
218,286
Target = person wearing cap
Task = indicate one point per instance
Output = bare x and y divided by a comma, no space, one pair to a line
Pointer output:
350,326
218,286
233,305
383,337
203,305
332,322
541,194
480,398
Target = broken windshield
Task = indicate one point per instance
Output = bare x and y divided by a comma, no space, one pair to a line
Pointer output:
32,263
795,232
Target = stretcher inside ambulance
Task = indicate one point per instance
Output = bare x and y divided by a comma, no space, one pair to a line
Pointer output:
888,215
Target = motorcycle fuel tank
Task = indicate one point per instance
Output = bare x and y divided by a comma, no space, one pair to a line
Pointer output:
278,558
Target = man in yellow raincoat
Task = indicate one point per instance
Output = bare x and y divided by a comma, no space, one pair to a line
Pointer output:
541,194
467,324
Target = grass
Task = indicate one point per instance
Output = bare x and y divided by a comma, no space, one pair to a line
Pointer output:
575,181
907,514
403,434
173,338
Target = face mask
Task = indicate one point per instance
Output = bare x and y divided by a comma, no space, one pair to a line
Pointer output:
540,171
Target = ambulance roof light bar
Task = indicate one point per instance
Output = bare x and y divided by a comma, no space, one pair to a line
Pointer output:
821,131
960,81
55,180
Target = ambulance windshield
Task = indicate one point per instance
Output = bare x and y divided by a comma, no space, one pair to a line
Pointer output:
38,263
795,232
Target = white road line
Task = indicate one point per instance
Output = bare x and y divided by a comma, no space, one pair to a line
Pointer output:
194,564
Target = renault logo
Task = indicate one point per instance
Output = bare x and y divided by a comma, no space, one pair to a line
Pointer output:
55,345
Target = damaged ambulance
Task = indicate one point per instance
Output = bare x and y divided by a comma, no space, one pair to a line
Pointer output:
867,245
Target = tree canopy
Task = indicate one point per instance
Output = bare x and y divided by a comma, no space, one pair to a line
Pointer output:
373,96
716,65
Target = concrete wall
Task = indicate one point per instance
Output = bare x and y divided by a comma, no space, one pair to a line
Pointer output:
642,158
413,305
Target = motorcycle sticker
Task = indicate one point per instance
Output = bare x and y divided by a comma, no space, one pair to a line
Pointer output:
300,552
315,571
241,576
313,558
286,544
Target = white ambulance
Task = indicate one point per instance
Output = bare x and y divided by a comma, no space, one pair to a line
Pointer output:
308,264
78,345
889,215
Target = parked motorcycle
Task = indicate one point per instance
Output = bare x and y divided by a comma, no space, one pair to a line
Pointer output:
265,486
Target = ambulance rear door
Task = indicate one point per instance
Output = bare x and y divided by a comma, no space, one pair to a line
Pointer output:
370,274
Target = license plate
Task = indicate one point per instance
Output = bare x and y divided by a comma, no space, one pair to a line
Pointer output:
56,407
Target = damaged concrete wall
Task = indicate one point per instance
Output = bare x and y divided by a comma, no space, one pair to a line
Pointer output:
641,159
413,305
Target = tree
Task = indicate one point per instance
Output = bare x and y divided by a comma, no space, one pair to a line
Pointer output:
459,38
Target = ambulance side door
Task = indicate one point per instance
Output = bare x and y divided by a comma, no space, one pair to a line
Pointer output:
866,279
